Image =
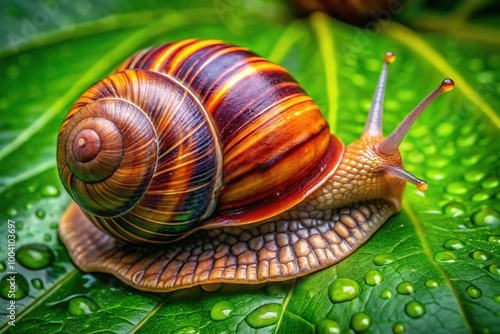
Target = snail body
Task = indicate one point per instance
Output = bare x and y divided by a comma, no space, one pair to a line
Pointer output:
200,162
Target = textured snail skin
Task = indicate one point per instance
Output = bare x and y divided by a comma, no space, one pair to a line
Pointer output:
310,236
289,203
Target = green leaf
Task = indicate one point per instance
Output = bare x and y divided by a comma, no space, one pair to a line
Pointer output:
444,243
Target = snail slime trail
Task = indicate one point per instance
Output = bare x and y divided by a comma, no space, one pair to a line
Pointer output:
179,179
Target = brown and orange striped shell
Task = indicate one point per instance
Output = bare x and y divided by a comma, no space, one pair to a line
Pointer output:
190,135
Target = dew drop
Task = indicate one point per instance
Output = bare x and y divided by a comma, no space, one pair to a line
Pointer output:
478,197
383,259
35,256
405,288
454,209
445,256
486,216
50,191
374,277
79,306
221,310
53,226
496,298
386,294
2,266
37,283
416,157
480,255
398,328
467,140
264,315
456,188
436,174
47,237
452,244
431,284
40,213
445,130
19,284
211,287
474,176
473,291
186,330
11,212
490,182
438,162
415,309
327,326
471,160
494,269
494,239
361,322
343,289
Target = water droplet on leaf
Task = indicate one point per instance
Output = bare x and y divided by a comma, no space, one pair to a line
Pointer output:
11,212
494,269
79,306
374,277
494,239
343,289
40,213
264,315
405,288
431,283
35,256
453,244
221,310
480,255
490,182
186,330
327,326
454,209
37,283
361,322
474,176
398,328
457,188
473,291
211,287
415,309
386,294
14,287
478,197
383,259
486,216
50,191
445,256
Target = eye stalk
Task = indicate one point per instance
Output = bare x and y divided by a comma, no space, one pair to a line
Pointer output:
390,145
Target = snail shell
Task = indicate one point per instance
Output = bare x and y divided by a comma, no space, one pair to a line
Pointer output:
209,143
200,138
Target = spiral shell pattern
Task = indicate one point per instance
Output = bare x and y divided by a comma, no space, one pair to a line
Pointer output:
276,145
122,160
190,135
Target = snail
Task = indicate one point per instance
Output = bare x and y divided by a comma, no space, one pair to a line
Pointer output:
363,13
199,162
